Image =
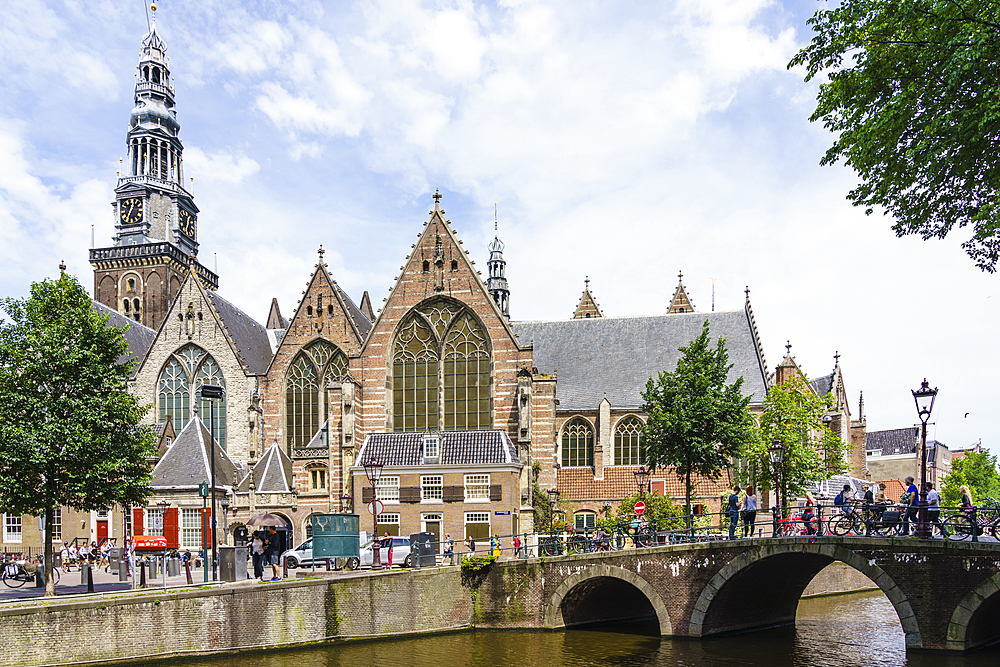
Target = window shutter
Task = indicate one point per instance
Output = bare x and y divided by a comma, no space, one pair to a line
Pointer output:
137,521
496,492
206,527
366,494
171,529
409,494
451,494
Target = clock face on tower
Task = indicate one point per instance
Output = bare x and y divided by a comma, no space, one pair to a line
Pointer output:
130,211
186,223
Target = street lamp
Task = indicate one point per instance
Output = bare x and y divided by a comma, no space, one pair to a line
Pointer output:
553,502
924,398
642,479
213,392
373,470
225,518
777,454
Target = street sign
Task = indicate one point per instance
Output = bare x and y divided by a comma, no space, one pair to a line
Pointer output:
640,507
203,489
375,507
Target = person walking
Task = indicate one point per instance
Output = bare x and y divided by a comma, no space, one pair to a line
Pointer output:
470,544
934,508
733,510
807,514
271,554
64,557
387,544
257,553
909,500
517,546
449,546
749,511
966,498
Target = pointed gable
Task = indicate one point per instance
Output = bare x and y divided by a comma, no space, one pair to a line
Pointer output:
680,303
272,474
274,318
366,307
187,462
587,307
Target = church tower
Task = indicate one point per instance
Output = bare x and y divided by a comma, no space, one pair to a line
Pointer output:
497,282
155,215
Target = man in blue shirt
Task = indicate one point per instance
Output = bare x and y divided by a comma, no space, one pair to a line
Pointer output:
733,509
911,504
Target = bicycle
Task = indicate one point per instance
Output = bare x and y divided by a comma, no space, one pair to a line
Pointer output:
14,575
960,526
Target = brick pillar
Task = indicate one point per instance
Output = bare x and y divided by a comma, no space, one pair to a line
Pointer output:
603,445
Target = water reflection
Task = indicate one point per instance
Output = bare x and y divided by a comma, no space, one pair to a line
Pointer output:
859,629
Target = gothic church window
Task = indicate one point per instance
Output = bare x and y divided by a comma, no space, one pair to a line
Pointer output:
306,406
628,442
183,374
441,359
578,443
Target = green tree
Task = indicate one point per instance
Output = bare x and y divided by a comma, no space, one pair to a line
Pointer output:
978,471
70,432
793,417
659,508
912,97
696,422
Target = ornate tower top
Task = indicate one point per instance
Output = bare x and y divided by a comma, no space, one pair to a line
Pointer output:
587,307
680,303
497,282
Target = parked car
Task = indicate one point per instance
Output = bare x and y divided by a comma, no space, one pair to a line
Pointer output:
302,555
400,553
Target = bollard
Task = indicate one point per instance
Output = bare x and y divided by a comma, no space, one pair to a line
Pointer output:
90,579
975,525
123,570
142,574
187,572
327,564
284,568
84,568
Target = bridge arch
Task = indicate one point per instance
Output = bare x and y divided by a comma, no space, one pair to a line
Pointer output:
577,585
762,588
975,620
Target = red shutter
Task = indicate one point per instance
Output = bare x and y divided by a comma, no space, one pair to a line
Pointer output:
171,530
137,521
206,527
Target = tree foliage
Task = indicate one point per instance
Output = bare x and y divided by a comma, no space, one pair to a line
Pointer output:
696,422
659,508
70,432
978,471
912,95
793,417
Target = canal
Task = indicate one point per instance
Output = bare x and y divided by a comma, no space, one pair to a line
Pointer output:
855,629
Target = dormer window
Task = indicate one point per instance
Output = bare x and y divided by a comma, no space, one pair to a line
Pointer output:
432,447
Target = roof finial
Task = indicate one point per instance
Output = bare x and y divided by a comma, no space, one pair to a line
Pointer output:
62,266
321,251
836,359
437,196
747,292
680,276
586,283
788,348
496,227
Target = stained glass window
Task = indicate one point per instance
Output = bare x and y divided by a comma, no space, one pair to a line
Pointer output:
578,443
301,402
174,394
628,442
209,373
185,371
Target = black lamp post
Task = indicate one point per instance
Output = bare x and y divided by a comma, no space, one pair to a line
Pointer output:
373,470
924,398
642,479
777,454
553,503
213,392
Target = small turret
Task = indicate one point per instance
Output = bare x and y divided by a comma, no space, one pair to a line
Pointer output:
497,282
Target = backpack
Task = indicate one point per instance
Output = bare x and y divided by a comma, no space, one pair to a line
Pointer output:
904,499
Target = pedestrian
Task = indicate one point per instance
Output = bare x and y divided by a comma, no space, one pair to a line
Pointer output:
257,554
934,508
880,502
470,544
733,511
73,556
387,545
841,499
867,506
966,498
909,500
497,547
449,546
517,547
64,557
83,554
807,514
271,551
749,511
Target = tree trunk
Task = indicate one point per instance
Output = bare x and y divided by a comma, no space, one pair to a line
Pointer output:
687,498
50,584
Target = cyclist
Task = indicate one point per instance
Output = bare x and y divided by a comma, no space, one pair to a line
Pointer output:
842,501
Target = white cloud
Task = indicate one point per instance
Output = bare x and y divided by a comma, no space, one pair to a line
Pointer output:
218,167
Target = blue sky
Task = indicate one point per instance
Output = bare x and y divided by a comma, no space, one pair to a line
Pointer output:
623,142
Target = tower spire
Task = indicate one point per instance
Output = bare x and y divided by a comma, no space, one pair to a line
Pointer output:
497,282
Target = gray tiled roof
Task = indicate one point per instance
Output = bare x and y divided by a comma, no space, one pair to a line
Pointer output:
187,461
457,448
319,438
138,336
272,474
893,441
249,336
822,385
361,321
615,356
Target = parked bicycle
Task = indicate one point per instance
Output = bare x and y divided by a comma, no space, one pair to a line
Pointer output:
978,521
15,575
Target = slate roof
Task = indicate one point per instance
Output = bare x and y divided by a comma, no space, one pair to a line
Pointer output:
619,481
249,336
361,321
187,463
138,336
457,448
318,441
615,356
272,474
893,441
822,385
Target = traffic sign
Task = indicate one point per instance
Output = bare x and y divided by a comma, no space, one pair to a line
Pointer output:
640,507
375,507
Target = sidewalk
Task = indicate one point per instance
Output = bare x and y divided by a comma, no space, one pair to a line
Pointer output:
69,584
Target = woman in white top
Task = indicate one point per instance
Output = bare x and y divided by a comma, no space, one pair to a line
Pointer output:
749,511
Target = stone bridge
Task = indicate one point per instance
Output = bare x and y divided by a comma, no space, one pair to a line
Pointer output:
946,594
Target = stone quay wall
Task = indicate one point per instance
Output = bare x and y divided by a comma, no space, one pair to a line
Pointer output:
151,625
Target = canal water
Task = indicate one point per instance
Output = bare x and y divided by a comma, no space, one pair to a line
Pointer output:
855,629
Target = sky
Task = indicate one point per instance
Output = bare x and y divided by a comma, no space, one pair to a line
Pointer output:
621,141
